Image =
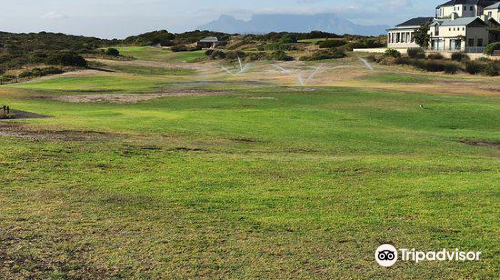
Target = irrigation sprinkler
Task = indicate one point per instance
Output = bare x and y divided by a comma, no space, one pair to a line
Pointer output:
313,74
281,68
366,63
241,65
225,69
299,78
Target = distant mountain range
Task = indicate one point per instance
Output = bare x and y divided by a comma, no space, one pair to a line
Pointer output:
265,23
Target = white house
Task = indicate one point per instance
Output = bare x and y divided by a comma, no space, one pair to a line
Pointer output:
493,11
401,37
459,26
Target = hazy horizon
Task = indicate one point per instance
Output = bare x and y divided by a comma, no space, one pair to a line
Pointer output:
119,19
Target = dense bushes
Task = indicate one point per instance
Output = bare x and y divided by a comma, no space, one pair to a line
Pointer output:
67,59
416,53
435,56
491,48
329,44
437,63
473,67
216,54
40,72
365,43
161,37
491,69
281,56
112,52
392,53
322,55
460,57
183,48
253,56
451,68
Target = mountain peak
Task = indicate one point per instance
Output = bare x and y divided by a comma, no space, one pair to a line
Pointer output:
265,23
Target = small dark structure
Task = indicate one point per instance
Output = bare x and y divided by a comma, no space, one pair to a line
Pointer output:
4,112
210,43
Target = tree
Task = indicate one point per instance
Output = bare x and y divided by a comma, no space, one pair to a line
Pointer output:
421,35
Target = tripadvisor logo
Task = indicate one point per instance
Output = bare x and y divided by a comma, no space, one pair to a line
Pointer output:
387,255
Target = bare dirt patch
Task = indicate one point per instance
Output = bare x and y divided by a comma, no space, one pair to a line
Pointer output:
487,144
18,130
132,98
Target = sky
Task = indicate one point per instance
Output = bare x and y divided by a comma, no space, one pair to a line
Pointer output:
122,18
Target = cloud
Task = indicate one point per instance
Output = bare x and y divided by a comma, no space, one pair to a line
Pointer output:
53,15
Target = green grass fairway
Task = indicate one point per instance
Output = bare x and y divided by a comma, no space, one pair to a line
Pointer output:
264,182
159,54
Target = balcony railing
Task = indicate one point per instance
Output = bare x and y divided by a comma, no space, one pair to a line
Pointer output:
474,49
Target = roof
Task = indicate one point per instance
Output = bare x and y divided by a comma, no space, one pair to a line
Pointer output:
416,21
493,7
209,40
482,3
460,21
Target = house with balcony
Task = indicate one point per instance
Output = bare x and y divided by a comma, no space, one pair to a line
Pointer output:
493,11
401,37
458,26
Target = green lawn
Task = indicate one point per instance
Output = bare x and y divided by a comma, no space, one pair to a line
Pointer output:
264,183
159,54
151,71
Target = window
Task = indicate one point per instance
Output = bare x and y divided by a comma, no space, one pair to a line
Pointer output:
479,42
471,43
450,28
472,8
490,14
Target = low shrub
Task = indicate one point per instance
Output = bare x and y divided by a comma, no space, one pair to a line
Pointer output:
434,65
40,72
451,68
416,53
183,48
235,55
392,53
279,47
218,55
484,59
460,57
491,69
209,52
322,55
2,71
281,56
7,78
329,44
179,48
255,56
112,52
389,61
491,48
67,59
435,56
473,67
